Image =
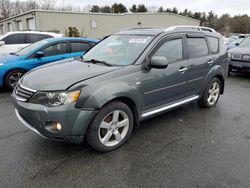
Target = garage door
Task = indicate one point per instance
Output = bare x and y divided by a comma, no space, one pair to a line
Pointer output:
20,25
1,29
31,24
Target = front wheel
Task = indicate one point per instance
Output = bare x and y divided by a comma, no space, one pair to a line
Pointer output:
12,78
211,94
111,127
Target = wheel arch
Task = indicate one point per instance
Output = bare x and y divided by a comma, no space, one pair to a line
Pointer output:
131,104
222,81
215,72
10,70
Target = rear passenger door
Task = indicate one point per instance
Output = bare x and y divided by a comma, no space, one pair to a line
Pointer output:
199,63
78,48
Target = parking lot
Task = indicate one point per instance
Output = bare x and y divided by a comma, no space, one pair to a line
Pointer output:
188,147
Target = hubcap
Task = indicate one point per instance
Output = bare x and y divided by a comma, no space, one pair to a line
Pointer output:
213,93
14,78
114,127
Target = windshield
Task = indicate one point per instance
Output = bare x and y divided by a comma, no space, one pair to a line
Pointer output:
30,48
119,50
237,41
245,42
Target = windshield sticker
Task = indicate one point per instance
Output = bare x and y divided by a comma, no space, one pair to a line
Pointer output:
138,41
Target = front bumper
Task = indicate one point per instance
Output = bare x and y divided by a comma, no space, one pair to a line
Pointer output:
241,66
74,121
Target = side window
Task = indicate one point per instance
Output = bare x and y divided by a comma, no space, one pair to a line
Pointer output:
172,50
45,37
79,46
14,39
197,47
32,38
214,44
56,49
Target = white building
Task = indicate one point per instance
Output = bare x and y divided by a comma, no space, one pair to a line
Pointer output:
94,25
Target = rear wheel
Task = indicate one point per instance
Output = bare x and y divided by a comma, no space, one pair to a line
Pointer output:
12,78
211,94
111,127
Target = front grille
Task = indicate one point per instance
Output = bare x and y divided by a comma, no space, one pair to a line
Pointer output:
23,93
237,56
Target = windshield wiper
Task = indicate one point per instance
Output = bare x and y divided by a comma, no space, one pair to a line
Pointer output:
95,61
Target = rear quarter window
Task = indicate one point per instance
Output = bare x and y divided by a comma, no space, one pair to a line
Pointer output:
197,47
214,44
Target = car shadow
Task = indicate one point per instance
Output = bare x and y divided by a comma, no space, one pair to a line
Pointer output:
240,75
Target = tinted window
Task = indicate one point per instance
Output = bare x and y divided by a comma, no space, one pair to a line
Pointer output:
56,49
14,39
197,47
32,38
172,50
214,44
79,46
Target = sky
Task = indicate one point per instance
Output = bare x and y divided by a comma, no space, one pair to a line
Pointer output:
233,7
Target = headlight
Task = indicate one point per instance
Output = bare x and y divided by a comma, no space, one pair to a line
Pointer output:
229,55
53,99
246,57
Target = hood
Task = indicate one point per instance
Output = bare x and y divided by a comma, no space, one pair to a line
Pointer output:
60,76
9,59
240,50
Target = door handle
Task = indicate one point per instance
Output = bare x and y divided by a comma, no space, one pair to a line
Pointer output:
210,62
183,70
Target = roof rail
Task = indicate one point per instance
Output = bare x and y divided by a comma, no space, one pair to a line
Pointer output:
196,28
134,28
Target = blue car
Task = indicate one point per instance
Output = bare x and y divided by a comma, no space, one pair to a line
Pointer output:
15,65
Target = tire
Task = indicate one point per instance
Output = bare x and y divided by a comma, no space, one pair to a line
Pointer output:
12,78
211,94
104,134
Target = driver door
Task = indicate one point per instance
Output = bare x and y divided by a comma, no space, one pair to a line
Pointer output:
54,52
164,86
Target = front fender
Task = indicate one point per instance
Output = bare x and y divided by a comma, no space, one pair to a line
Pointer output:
94,97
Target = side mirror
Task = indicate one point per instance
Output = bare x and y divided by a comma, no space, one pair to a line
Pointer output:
237,44
2,43
39,54
158,62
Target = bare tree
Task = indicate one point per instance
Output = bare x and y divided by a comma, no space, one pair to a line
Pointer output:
31,5
48,4
5,9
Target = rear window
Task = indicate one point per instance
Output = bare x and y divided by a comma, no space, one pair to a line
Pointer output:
197,47
214,44
79,46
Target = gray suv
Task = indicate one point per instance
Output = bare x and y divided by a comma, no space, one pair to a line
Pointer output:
126,78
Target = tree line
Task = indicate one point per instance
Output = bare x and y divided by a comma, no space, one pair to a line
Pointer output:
224,23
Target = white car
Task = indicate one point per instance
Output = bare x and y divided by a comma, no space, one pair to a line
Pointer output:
12,42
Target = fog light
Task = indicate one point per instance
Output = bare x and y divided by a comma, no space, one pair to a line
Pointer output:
53,127
58,126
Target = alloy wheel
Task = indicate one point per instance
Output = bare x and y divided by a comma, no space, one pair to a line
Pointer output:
213,93
14,78
113,128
